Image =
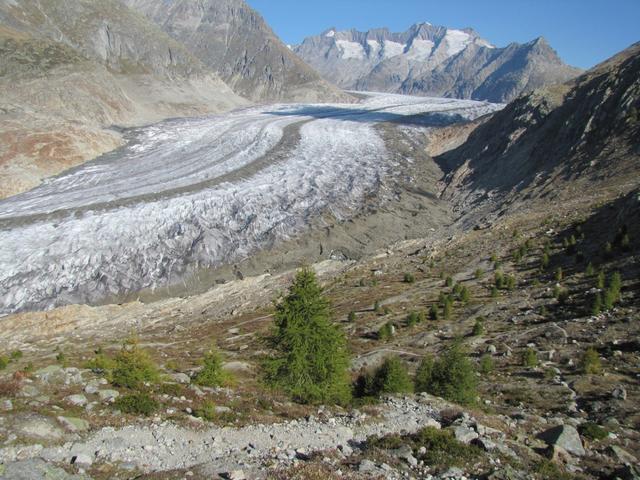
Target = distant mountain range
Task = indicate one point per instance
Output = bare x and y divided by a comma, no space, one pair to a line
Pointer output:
435,61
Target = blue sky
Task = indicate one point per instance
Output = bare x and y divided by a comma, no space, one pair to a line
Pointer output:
584,32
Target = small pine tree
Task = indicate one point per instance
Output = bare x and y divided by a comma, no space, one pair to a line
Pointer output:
465,295
376,306
212,373
544,262
625,242
559,274
413,319
510,282
311,360
451,376
449,282
596,305
409,278
386,332
494,292
589,271
486,364
478,328
478,273
600,280
591,364
351,317
392,377
133,367
447,309
530,358
499,280
433,312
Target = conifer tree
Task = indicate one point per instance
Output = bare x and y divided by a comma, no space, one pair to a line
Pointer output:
311,359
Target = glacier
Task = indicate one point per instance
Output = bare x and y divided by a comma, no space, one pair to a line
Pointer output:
186,194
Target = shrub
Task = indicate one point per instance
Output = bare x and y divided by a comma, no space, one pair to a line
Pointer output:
486,364
16,355
589,271
562,295
592,431
442,450
311,359
4,362
559,274
61,358
414,318
478,328
392,377
600,280
591,364
530,358
212,373
10,387
133,367
447,309
544,262
494,292
376,306
206,410
386,332
451,376
510,282
613,293
465,295
172,389
101,364
351,317
498,280
478,274
409,278
433,312
596,304
139,403
625,243
449,282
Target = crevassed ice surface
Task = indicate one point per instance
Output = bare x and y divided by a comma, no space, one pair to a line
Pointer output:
199,192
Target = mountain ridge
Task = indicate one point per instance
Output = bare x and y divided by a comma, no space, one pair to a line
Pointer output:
434,61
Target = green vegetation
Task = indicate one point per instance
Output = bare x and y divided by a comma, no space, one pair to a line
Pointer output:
139,403
206,410
451,376
101,364
386,332
392,377
433,312
478,274
494,292
465,295
415,318
4,362
311,359
449,281
133,367
447,308
443,450
592,431
478,328
591,364
612,294
600,280
589,271
376,306
547,470
530,358
351,317
16,355
559,274
409,278
487,364
544,262
212,373
596,304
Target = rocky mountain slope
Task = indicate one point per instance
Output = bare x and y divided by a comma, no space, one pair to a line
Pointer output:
554,142
69,70
234,40
434,61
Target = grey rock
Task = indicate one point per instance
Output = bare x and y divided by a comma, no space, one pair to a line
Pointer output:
77,400
235,475
82,460
108,396
38,427
623,456
367,466
73,424
182,378
565,437
464,434
619,393
6,405
36,469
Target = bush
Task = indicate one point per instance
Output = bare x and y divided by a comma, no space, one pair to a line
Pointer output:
433,312
140,403
589,271
442,450
613,293
409,278
392,377
494,292
101,364
591,364
451,376
478,328
386,332
592,431
478,274
212,373
465,295
447,309
544,262
486,364
311,360
414,318
376,306
4,362
596,304
498,278
351,317
16,355
206,410
600,280
510,282
559,274
530,358
449,281
133,367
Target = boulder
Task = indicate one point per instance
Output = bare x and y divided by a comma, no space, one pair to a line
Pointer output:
182,378
464,434
108,395
619,393
73,424
77,400
565,437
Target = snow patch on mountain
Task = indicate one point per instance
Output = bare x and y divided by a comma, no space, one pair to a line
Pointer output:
456,40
